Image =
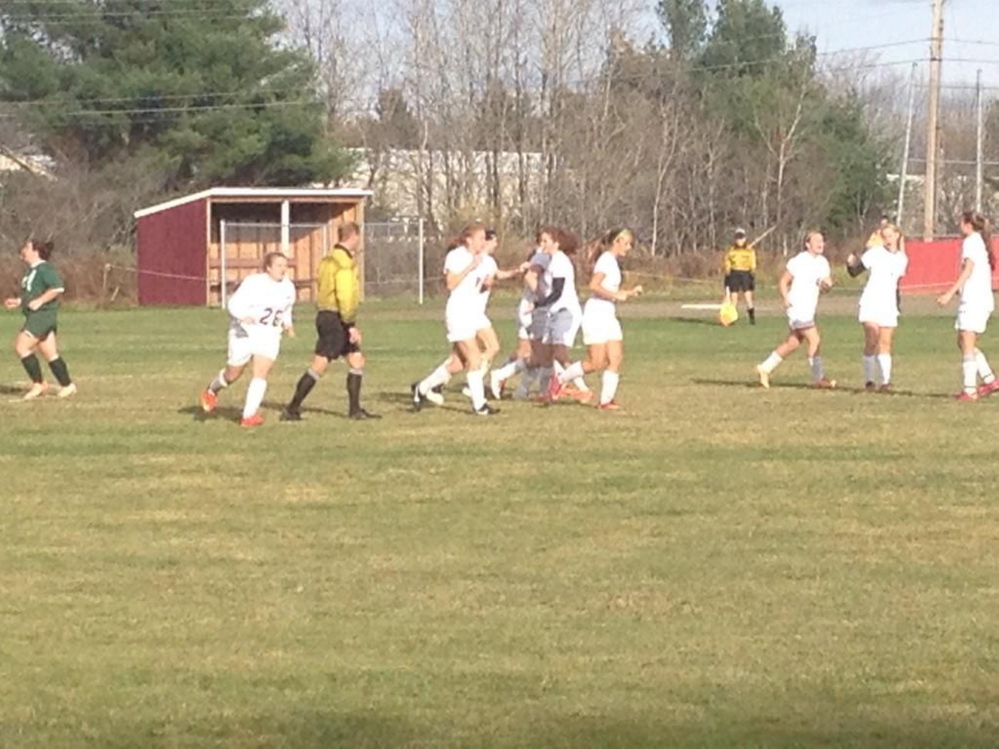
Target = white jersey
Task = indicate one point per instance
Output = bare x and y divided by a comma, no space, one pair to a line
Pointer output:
268,303
561,267
608,265
977,291
464,298
487,269
806,270
886,270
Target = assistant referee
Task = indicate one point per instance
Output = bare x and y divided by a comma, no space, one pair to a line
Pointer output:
338,334
740,272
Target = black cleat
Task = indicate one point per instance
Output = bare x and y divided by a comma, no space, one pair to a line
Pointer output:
362,415
291,414
486,410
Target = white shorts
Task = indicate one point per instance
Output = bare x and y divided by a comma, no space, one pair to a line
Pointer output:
482,322
525,319
562,327
972,320
883,316
800,319
250,341
600,323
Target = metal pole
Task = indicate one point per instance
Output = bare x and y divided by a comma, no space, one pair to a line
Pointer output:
904,176
222,253
420,269
980,153
936,58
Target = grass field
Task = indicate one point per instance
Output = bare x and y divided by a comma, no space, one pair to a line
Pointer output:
718,566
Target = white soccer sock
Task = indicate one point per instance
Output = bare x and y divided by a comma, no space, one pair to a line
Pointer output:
478,388
772,362
818,370
609,389
969,368
884,362
581,385
439,376
219,382
510,369
573,372
485,365
254,396
984,370
870,367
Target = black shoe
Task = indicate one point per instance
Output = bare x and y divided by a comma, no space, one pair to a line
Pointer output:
291,414
362,415
439,389
417,398
486,410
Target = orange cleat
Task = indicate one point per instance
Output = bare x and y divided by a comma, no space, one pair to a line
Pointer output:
209,401
987,388
555,389
612,406
583,396
253,421
824,384
965,397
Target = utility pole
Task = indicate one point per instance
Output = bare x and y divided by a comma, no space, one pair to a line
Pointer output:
904,175
980,148
936,57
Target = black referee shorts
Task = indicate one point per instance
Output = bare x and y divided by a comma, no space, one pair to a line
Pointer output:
333,336
741,281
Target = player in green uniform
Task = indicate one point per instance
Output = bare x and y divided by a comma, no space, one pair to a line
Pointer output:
41,288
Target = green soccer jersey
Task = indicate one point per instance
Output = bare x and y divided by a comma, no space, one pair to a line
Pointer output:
39,279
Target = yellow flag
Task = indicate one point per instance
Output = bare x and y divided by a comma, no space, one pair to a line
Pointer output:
728,314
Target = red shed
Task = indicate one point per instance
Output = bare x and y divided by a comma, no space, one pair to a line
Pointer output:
935,265
185,247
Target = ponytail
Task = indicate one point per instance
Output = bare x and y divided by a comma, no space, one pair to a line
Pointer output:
44,249
462,239
980,224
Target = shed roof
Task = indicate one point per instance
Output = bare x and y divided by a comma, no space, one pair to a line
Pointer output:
278,193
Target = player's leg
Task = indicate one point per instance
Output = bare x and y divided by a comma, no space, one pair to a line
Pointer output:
872,338
886,338
24,346
48,348
516,365
489,347
309,379
750,306
355,379
967,342
240,353
787,347
813,343
261,367
614,353
469,352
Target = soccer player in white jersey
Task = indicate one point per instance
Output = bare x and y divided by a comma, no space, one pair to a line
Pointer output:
259,311
807,274
601,329
887,264
463,275
974,284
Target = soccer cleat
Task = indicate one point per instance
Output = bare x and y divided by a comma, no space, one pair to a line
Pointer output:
466,391
966,397
764,377
252,421
417,397
987,388
583,396
435,396
67,391
870,387
37,389
495,385
291,414
611,406
209,401
555,389
362,415
485,410
824,384
886,388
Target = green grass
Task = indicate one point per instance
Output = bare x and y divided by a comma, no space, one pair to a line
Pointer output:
717,566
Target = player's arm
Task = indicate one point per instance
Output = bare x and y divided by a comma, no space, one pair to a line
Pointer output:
727,264
784,287
506,275
558,286
12,302
752,260
855,265
348,292
44,298
967,268
240,304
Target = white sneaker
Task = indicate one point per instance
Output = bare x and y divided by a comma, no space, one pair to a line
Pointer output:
764,377
434,397
37,389
466,391
67,391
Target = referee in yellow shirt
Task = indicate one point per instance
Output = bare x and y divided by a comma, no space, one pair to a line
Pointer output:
740,272
338,334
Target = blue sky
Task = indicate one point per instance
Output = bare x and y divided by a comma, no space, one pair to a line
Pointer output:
848,24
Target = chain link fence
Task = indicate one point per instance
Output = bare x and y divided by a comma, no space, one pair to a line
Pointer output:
401,259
